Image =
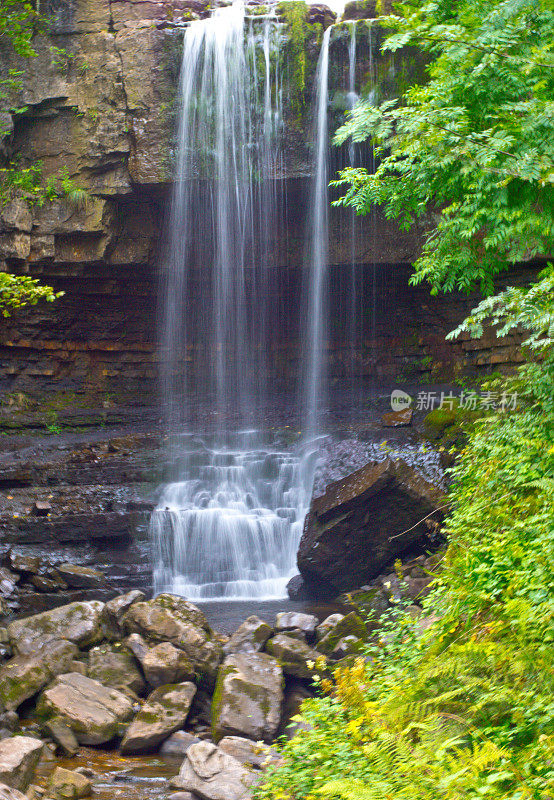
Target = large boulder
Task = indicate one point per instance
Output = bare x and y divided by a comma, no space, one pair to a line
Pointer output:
213,775
164,712
95,713
248,697
295,657
19,757
362,522
113,665
77,622
23,676
169,618
250,637
164,663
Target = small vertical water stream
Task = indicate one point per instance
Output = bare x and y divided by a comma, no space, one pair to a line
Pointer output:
316,285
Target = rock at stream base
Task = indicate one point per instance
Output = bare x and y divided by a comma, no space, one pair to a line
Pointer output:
23,676
113,665
65,784
213,775
297,589
250,637
19,757
256,754
293,655
7,793
169,618
77,622
164,712
95,713
114,611
248,697
63,736
178,744
362,522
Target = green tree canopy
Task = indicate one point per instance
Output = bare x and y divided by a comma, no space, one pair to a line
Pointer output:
471,152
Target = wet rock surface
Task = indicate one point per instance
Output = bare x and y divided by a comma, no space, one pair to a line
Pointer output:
164,712
213,774
248,697
363,522
94,712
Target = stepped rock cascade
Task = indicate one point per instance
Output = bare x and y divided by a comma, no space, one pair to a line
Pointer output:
231,530
229,527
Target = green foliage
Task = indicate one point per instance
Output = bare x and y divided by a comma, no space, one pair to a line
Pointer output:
17,25
18,22
465,708
61,58
474,146
294,14
531,308
20,290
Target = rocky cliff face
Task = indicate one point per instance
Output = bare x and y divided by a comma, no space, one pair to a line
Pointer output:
99,103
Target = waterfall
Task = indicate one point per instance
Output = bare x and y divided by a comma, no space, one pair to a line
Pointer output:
231,530
215,330
230,525
317,288
354,312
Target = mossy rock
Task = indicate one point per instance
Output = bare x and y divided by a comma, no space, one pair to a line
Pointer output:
351,625
449,427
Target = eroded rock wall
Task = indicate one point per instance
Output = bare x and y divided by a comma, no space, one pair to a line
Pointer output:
99,103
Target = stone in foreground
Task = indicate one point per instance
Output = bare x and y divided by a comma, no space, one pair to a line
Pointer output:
164,712
250,637
293,655
7,793
113,665
213,775
23,676
248,697
256,754
77,622
169,618
57,729
66,784
19,757
95,713
363,522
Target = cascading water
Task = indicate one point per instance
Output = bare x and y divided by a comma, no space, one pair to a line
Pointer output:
232,529
230,526
316,287
217,298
